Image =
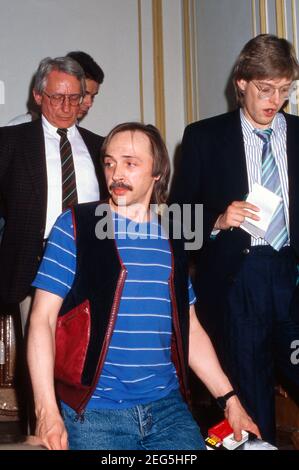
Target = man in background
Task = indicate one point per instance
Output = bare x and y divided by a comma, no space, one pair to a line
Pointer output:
245,284
94,77
45,166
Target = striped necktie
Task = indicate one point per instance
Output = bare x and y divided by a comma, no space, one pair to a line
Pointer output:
68,177
277,233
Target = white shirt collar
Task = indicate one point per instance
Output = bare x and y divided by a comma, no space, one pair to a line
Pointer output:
52,130
278,123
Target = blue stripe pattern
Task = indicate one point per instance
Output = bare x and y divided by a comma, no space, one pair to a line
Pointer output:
57,270
253,152
277,233
138,366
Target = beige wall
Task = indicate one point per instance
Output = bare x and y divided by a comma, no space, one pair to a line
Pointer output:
222,28
119,34
166,62
107,29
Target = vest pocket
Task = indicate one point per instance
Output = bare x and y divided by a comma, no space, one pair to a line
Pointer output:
72,340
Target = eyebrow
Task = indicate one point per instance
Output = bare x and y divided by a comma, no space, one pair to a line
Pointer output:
270,84
122,156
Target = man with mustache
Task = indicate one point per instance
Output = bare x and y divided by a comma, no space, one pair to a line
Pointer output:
120,186
116,289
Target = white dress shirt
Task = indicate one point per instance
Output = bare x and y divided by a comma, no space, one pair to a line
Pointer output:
253,151
86,180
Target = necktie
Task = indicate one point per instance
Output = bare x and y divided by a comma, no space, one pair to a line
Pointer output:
69,189
277,233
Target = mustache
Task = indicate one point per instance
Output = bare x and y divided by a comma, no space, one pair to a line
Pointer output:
121,186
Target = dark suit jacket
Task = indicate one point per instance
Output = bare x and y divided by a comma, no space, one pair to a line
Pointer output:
213,172
23,187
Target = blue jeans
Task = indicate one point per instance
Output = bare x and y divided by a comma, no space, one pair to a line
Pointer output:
165,424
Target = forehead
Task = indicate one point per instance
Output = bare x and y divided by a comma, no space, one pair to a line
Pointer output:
60,82
91,86
130,143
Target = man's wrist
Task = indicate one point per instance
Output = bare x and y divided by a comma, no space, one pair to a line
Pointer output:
43,410
222,401
217,223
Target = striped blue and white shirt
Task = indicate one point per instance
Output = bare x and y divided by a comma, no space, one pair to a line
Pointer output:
253,152
138,366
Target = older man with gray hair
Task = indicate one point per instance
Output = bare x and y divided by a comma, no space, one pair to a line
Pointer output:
45,166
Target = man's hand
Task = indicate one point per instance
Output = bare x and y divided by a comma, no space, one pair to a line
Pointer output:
51,430
239,419
235,215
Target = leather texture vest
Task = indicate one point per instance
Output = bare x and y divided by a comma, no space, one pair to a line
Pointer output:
87,317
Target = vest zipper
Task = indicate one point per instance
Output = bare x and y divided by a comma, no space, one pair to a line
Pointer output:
176,327
80,417
113,315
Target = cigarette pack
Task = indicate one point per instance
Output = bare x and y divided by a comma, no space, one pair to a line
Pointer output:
221,430
221,436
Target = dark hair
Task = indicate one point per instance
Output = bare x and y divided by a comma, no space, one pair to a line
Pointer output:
61,64
91,69
265,57
161,163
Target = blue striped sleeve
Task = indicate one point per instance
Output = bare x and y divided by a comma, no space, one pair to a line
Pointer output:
192,296
57,269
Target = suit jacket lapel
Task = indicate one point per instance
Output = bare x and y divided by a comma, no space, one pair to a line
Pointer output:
235,152
293,175
35,157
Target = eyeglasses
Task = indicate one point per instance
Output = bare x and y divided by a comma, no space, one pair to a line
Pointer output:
266,91
58,99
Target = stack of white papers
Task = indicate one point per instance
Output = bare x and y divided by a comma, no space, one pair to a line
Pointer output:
267,202
257,444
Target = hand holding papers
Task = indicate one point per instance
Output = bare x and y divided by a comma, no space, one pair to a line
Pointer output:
267,203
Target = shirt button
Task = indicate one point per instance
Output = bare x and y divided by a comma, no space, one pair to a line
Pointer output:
246,251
